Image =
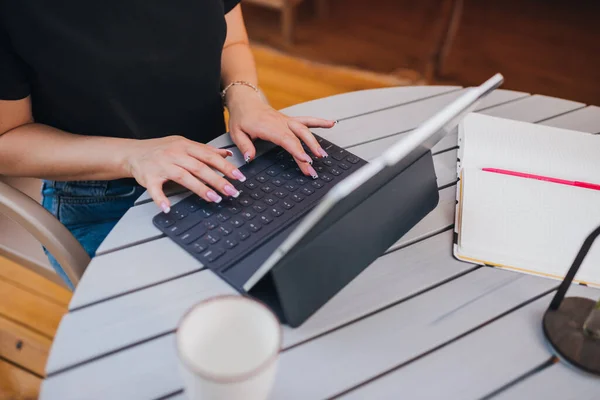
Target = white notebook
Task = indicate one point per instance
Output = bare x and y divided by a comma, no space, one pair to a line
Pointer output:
520,223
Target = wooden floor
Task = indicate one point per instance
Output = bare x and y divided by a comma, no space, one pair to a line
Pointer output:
30,310
541,46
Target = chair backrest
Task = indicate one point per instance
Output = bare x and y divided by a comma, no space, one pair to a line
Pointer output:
27,225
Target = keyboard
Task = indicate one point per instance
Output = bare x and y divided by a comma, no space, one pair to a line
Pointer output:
275,194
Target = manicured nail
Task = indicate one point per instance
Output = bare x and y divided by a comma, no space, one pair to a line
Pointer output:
312,172
212,196
323,153
337,121
238,175
231,191
166,209
229,153
247,156
307,158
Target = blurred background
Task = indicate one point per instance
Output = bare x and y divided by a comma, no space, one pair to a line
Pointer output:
548,47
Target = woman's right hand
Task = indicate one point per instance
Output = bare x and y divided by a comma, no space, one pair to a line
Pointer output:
152,162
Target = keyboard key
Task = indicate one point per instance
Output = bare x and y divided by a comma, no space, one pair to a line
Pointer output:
291,187
276,211
329,163
270,200
254,226
335,171
265,219
248,215
277,182
326,178
225,230
257,195
352,159
193,234
192,207
340,155
284,165
259,207
343,165
246,201
267,188
183,226
307,191
231,243
210,224
164,221
214,253
274,170
205,212
223,216
301,180
319,168
234,210
262,178
236,222
179,214
287,175
212,238
316,184
280,193
257,165
198,247
243,234
281,155
252,184
287,204
297,198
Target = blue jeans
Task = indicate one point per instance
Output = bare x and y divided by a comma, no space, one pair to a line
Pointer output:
89,209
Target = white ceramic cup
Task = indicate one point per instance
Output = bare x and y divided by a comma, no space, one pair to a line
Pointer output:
228,349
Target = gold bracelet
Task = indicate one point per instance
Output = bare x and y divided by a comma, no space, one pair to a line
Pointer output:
224,92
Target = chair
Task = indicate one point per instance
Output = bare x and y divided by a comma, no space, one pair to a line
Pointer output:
23,214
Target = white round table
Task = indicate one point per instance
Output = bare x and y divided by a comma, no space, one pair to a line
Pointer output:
416,323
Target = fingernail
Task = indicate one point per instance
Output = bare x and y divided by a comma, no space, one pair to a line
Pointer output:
166,209
323,153
247,156
336,122
307,158
229,153
312,172
212,196
230,190
238,175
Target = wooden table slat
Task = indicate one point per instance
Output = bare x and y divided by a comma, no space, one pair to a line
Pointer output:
557,382
534,108
123,321
489,358
585,120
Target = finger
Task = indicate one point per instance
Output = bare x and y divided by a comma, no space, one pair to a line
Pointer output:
216,161
307,169
208,176
184,178
155,189
222,152
292,145
307,137
243,142
313,122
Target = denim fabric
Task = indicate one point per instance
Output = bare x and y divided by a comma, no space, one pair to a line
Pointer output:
89,209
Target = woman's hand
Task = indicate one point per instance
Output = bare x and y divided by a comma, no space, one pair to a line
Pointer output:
152,162
251,118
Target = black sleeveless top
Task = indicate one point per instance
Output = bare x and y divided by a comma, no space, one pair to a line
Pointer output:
127,68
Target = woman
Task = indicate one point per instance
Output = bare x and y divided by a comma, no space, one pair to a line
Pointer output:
104,99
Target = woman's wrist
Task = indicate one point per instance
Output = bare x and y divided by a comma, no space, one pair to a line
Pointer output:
237,95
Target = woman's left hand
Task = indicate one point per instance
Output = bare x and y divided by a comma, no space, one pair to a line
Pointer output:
253,119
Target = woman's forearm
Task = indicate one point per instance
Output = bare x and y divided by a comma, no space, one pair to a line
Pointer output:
40,151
